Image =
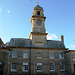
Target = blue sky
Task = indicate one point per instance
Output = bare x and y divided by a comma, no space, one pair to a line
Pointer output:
15,16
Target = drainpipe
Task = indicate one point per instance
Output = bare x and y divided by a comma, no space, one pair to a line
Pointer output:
8,61
34,67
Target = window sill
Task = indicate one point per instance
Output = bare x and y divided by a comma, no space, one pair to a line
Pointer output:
25,71
14,57
61,58
52,70
39,70
39,57
51,58
25,58
13,70
62,70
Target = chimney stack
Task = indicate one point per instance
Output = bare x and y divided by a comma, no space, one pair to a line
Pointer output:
62,38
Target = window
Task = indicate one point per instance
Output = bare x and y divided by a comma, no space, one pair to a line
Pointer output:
52,55
14,67
62,66
52,67
39,67
25,67
38,12
0,63
25,55
61,55
14,54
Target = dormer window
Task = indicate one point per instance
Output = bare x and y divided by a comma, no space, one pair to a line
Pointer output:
38,12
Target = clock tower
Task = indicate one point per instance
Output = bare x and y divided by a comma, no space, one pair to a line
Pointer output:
38,32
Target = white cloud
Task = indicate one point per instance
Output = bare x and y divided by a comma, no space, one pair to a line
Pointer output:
0,9
73,46
51,36
8,11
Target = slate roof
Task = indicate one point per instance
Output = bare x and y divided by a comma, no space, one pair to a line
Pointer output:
55,44
19,42
22,42
1,42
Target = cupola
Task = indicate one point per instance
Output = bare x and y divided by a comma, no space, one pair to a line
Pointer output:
38,11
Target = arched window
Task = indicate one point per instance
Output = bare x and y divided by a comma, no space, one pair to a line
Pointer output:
38,12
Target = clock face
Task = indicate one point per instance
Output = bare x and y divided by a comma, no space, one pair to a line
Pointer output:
39,23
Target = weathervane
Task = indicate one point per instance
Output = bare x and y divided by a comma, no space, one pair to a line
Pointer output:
37,2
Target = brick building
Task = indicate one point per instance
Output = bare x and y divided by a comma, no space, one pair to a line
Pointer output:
37,55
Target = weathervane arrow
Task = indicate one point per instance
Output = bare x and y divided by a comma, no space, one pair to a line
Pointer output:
37,2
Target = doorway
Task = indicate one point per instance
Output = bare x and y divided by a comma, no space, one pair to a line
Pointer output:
1,72
74,67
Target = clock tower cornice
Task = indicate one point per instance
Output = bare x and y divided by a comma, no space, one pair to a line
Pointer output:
38,17
37,34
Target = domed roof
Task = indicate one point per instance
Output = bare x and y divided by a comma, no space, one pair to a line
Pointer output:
38,7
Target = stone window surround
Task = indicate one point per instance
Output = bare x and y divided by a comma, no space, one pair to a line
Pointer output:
39,64
14,54
62,66
14,70
61,55
52,67
52,55
27,67
25,54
